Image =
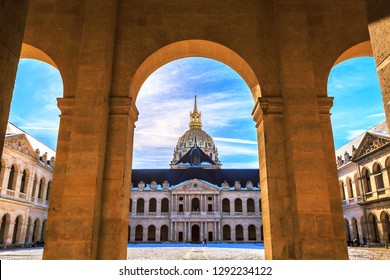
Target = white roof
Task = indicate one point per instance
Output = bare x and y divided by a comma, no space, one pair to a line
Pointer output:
379,129
35,143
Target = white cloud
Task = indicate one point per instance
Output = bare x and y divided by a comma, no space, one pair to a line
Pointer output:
352,134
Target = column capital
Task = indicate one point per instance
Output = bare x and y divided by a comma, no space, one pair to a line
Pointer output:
66,105
324,104
267,105
123,106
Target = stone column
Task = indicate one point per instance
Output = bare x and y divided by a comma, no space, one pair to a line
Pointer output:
134,208
13,16
8,240
132,233
378,25
76,206
245,232
244,207
146,207
117,175
4,186
171,231
215,235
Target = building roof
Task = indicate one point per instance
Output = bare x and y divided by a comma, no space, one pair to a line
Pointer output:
380,129
213,176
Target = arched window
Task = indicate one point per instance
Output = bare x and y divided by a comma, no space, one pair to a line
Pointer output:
238,205
164,233
355,230
349,188
41,188
165,205
226,233
342,191
366,180
152,205
139,231
5,222
239,233
34,186
377,170
12,179
152,233
23,182
195,204
140,205
357,185
17,229
385,220
43,231
347,231
48,191
373,228
226,205
36,230
260,206
251,233
130,205
250,205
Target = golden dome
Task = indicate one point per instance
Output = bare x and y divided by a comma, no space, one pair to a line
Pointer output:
195,137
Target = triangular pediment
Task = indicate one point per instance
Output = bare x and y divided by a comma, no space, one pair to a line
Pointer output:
371,142
20,143
195,185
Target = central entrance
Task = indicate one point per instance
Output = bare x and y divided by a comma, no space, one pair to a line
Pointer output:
195,232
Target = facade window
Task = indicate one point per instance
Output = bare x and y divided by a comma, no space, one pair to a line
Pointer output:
342,190
225,205
41,188
165,205
238,205
378,176
11,178
48,191
140,205
366,180
350,188
153,205
23,182
250,205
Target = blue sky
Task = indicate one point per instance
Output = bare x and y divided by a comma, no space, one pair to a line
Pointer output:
166,99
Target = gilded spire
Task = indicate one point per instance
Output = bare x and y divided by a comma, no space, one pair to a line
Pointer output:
195,122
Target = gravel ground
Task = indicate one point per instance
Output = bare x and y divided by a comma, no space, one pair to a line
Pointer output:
196,253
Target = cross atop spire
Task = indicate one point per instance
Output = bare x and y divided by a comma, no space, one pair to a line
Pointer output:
195,122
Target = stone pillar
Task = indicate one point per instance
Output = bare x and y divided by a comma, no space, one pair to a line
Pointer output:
134,208
244,207
146,207
13,16
232,208
378,25
8,240
117,175
76,206
132,233
245,232
4,186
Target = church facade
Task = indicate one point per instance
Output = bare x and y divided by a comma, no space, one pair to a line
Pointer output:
195,200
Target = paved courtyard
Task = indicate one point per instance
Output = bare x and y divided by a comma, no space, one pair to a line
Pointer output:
197,252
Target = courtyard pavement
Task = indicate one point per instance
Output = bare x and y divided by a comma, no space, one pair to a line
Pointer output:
197,252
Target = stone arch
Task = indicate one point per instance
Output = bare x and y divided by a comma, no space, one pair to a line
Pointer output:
28,231
43,231
13,174
239,233
355,230
347,230
358,50
29,51
35,233
151,233
17,233
165,205
250,205
367,188
140,205
164,233
377,171
385,221
227,236
153,205
251,233
4,230
195,233
373,228
226,205
237,205
194,48
139,232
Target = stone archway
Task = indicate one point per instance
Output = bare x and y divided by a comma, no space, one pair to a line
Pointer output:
195,233
286,56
